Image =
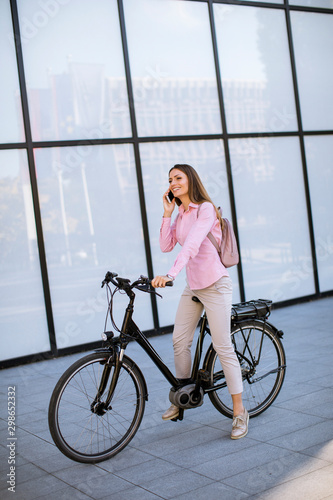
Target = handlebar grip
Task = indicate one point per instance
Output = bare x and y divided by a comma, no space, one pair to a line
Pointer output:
109,277
169,283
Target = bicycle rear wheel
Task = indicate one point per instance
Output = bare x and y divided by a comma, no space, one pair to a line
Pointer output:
77,431
263,363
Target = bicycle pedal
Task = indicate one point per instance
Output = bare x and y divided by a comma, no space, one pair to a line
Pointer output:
180,415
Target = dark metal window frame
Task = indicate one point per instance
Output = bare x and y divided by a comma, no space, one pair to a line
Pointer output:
29,145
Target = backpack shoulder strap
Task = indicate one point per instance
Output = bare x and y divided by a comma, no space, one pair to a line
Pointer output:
213,240
210,236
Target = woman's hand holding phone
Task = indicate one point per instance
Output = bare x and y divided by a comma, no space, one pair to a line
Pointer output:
169,203
170,196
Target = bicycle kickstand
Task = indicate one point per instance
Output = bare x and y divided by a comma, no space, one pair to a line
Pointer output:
179,416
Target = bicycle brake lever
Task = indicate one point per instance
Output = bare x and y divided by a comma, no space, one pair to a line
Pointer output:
148,289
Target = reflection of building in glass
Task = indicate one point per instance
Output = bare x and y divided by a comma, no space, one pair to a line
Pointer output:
86,104
17,221
180,102
81,103
246,104
173,105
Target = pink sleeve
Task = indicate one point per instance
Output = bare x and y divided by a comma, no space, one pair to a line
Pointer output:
195,237
168,238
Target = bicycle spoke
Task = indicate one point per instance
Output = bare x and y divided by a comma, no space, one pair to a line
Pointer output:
262,361
92,436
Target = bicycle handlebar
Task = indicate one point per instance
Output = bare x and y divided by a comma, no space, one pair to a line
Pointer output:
125,284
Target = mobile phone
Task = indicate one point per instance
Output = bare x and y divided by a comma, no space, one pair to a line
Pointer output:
170,196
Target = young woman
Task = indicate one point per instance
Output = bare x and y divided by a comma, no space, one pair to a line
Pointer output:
207,279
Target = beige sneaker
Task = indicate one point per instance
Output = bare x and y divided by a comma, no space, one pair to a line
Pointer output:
171,413
240,425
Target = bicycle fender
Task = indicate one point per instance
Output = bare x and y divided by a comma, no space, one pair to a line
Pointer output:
131,364
277,332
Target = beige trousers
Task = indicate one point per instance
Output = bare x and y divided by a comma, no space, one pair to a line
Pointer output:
216,300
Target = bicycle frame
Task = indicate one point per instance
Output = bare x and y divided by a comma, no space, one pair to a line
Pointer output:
106,391
130,331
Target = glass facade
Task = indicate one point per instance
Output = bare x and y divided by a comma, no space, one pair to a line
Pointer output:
274,204
172,68
86,194
319,152
313,43
99,100
74,69
327,4
11,122
258,89
23,320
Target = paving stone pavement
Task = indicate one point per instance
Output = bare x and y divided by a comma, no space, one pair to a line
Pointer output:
287,454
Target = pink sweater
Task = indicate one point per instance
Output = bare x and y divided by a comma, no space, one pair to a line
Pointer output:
198,254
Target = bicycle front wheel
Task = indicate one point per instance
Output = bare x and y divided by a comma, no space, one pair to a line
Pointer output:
89,437
262,359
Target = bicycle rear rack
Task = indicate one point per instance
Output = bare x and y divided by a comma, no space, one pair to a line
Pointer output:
252,309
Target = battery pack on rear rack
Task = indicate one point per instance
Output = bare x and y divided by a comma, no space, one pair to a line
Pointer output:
256,309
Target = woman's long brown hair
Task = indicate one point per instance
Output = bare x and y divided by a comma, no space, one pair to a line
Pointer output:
196,190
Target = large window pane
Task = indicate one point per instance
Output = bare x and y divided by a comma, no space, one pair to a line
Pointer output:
74,68
272,218
24,328
92,224
172,67
313,44
207,157
327,4
267,1
255,68
11,123
319,154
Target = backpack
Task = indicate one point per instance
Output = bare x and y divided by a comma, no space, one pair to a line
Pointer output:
228,250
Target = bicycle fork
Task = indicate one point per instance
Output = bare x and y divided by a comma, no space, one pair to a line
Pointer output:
100,407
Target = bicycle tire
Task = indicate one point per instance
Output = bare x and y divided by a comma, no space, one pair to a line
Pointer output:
85,436
262,382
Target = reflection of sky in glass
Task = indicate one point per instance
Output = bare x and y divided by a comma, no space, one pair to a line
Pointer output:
269,1
247,24
171,32
319,154
255,68
328,4
91,223
11,128
75,70
313,46
10,165
92,36
172,67
272,217
21,293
